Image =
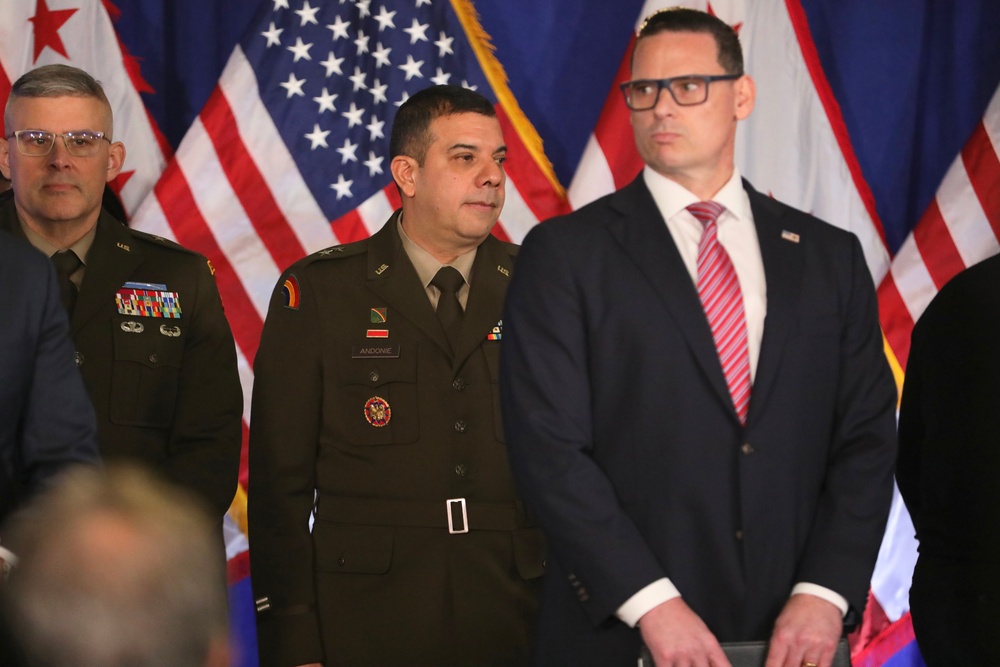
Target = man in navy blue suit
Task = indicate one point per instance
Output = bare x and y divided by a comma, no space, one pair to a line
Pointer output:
47,421
696,399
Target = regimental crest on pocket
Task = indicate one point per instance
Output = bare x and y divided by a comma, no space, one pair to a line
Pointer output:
377,411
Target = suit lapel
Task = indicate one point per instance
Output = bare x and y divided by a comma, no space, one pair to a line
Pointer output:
112,259
783,268
644,236
392,277
490,275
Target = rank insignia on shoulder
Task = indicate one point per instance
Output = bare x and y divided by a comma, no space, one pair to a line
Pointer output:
290,292
497,332
148,300
377,411
379,315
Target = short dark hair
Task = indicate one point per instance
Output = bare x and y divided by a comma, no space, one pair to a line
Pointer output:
411,134
58,81
682,19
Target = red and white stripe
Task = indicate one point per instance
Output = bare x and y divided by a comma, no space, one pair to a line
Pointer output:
960,228
719,292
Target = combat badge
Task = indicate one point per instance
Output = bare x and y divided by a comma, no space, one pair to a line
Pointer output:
377,411
290,292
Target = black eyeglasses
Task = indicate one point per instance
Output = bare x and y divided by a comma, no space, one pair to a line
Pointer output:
687,91
38,143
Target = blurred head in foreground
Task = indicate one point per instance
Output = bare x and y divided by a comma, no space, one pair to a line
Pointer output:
117,568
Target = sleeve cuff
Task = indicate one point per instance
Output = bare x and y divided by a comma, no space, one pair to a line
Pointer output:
653,595
824,593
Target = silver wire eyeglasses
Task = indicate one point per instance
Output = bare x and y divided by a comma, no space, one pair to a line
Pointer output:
687,91
37,143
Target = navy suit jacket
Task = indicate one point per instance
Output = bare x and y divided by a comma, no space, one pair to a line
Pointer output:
46,419
625,442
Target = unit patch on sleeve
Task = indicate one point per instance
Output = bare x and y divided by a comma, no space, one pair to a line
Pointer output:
290,292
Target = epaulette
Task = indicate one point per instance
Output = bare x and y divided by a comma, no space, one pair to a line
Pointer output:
338,251
160,241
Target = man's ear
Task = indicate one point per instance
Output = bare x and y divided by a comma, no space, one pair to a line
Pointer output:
5,158
404,171
746,94
116,160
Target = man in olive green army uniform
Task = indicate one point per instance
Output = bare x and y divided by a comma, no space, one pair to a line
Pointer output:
375,402
152,341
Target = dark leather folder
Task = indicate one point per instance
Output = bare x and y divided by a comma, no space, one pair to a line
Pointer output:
754,654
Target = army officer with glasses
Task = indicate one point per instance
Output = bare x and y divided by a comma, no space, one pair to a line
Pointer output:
151,339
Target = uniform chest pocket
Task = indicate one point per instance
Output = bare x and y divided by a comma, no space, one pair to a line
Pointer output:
375,401
145,374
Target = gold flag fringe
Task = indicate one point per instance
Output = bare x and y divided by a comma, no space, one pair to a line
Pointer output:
485,53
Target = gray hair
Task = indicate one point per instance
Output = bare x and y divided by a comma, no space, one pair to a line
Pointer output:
58,81
117,569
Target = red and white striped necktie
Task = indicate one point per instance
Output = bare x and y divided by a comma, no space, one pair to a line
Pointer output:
719,291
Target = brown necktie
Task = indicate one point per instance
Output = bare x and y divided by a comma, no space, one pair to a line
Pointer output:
66,263
449,309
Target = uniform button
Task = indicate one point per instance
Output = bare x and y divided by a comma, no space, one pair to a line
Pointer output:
461,470
747,448
78,357
461,426
153,358
458,384
373,376
341,561
739,535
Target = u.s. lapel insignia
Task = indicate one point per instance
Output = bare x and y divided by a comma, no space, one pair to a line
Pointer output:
497,332
290,292
503,270
377,411
123,246
789,236
379,315
380,270
211,269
